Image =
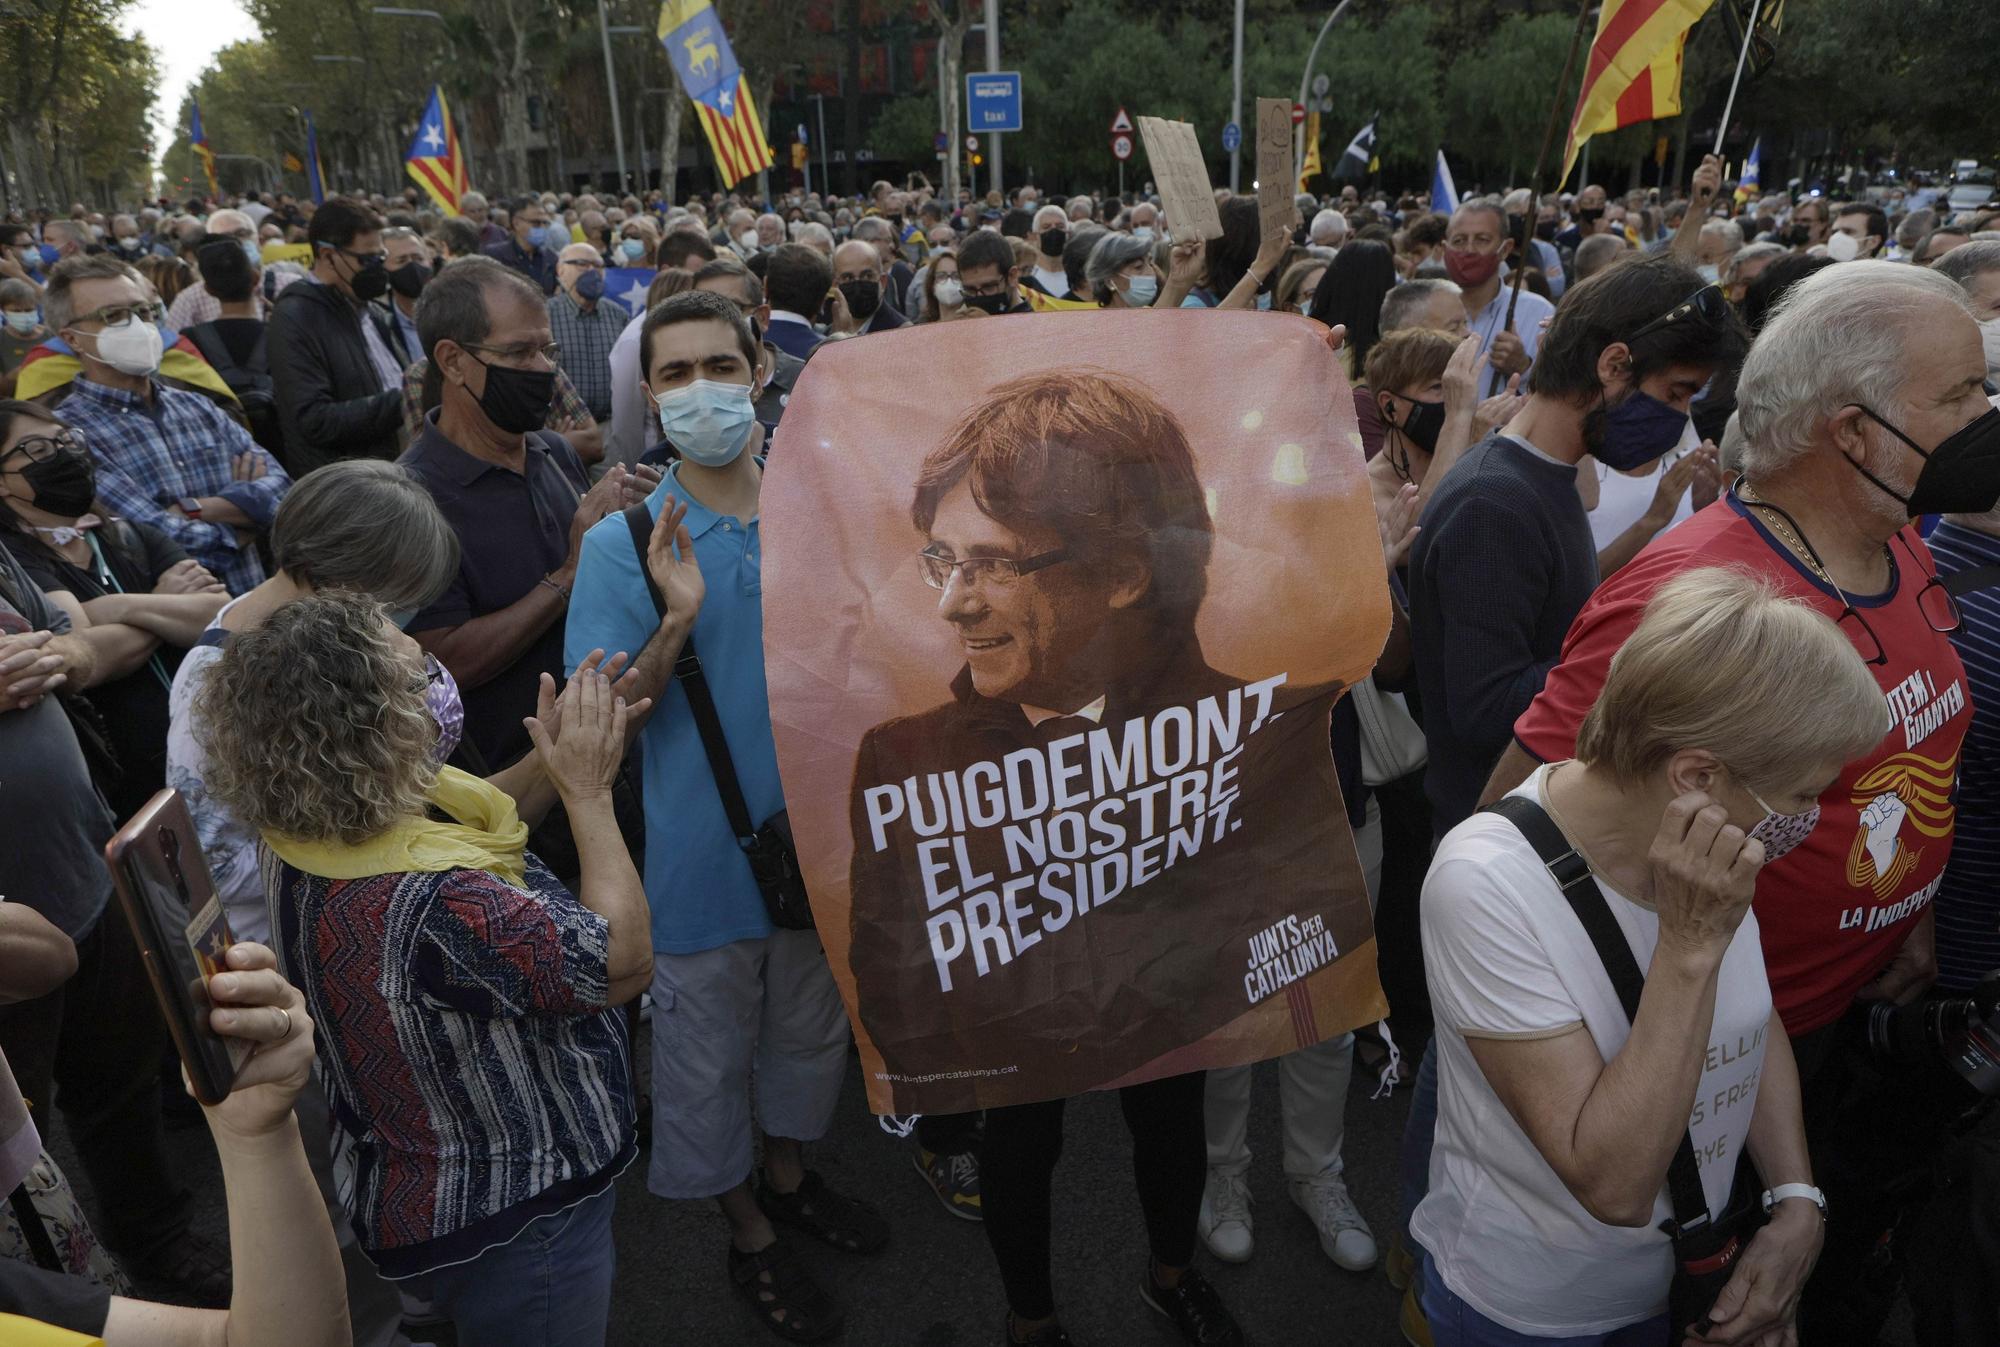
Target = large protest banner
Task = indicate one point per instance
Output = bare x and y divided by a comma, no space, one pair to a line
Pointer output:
1052,651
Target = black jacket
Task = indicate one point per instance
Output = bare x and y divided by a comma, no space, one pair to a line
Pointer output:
330,397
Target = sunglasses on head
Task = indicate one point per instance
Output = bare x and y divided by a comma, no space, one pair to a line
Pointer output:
1708,305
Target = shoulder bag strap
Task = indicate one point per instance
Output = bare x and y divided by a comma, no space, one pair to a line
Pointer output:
40,1246
701,702
1572,875
1961,583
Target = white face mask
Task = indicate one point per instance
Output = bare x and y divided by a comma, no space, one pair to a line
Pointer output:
133,347
949,292
1842,247
748,240
1710,272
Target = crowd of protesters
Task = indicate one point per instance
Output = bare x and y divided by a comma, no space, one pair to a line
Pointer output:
378,534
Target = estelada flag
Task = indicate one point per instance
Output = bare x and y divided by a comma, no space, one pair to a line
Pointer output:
1634,70
198,138
706,65
435,159
1310,168
1050,658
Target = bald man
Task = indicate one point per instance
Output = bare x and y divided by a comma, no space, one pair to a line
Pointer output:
194,304
858,275
585,323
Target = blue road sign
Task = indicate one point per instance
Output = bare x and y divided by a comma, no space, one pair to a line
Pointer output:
942,142
1232,136
993,101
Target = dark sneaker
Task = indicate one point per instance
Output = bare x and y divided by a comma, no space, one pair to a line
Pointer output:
187,1270
955,1180
846,1223
1195,1308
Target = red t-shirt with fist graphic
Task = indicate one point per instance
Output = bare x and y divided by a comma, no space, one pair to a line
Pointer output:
1837,908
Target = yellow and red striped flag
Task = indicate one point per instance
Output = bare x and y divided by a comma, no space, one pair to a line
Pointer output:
198,141
737,137
706,65
435,160
1634,71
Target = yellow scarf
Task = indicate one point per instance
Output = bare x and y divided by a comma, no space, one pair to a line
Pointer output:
489,836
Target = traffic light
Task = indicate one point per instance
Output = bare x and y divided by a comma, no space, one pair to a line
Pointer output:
978,159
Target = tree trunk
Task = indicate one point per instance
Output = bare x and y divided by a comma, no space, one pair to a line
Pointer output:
670,139
952,29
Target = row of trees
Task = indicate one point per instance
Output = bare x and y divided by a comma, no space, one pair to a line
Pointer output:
75,93
1855,81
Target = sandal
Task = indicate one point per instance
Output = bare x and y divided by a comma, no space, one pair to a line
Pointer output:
846,1223
776,1284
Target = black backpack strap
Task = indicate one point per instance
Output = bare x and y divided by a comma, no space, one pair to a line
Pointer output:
694,682
1572,875
40,1246
1960,583
207,341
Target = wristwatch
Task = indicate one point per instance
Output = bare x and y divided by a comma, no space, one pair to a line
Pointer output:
1773,1196
190,506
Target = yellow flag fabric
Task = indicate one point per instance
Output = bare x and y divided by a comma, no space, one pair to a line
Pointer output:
1042,303
18,1332
1310,169
1634,70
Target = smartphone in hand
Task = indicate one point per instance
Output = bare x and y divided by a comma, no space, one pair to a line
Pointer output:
162,883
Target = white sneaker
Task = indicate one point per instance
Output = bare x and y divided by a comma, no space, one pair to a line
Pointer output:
1225,1217
1344,1236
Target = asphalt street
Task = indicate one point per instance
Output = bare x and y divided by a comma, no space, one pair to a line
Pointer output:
934,1285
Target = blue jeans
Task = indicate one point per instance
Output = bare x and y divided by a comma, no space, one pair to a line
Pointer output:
1419,1133
1453,1323
550,1286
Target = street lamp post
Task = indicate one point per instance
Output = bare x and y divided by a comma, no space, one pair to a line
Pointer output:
605,30
1236,102
996,174
1299,136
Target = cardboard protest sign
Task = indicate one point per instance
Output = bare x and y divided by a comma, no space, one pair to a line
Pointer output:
1051,654
1182,177
1275,198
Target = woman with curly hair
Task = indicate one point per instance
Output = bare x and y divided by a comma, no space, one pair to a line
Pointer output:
471,1046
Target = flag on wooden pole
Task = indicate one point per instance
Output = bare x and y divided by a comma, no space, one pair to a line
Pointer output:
1634,70
702,57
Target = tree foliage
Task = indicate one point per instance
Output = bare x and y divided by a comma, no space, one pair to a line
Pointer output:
75,93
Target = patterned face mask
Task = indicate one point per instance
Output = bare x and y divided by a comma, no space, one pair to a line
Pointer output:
1781,832
441,699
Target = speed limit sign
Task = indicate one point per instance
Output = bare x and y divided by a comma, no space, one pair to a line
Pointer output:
1121,146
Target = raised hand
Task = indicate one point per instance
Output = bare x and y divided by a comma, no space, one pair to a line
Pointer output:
670,560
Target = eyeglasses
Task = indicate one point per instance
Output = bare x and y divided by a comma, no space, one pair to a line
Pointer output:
521,352
985,289
117,315
44,448
997,572
1934,601
1707,304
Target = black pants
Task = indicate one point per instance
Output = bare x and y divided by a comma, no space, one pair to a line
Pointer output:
1017,1167
94,1043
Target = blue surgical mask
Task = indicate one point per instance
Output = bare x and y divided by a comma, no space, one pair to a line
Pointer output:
1710,272
632,249
1143,233
538,237
708,421
253,252
590,285
1635,432
402,617
21,321
1142,290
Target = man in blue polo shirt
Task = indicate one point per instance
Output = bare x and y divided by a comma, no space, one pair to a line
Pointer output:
731,993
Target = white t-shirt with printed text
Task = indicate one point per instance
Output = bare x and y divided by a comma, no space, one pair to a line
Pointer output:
1506,957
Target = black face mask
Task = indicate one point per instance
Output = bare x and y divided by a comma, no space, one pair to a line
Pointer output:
1054,241
1960,476
65,485
1422,424
409,279
863,297
1545,230
516,401
1589,214
993,304
369,282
